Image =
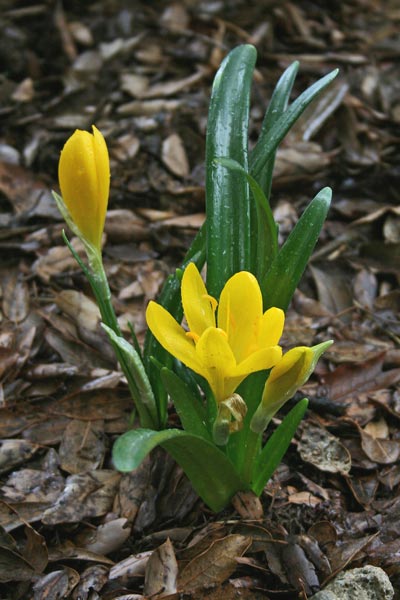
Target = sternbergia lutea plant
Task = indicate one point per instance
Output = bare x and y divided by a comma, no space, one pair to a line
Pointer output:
212,347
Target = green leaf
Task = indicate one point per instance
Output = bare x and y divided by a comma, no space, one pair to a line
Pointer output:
275,448
211,473
187,405
266,236
227,193
170,299
141,390
277,106
264,150
281,280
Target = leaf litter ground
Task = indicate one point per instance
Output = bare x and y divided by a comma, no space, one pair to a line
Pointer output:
72,527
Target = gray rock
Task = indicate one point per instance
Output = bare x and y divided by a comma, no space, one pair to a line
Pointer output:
366,583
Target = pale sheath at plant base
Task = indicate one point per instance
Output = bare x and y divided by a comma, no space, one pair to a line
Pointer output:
223,369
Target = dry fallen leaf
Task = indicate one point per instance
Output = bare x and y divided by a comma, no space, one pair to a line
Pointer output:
161,572
215,564
174,155
323,450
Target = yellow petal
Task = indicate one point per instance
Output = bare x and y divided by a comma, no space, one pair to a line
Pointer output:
172,336
258,361
197,306
285,378
240,312
271,327
216,356
265,358
84,176
103,176
294,363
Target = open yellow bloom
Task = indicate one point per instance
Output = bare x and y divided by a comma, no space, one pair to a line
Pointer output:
84,177
224,350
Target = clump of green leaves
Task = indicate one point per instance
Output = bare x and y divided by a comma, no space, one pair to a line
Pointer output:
226,375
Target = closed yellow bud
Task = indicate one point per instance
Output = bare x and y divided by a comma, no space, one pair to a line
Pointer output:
84,177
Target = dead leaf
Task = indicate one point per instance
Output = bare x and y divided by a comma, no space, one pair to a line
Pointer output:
381,451
92,579
82,446
161,572
16,298
105,538
174,155
215,564
248,505
57,584
133,566
323,450
32,485
14,452
85,495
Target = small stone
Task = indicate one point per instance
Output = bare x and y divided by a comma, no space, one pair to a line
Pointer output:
366,583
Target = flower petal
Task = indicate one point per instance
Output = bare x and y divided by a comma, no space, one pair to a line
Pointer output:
271,327
84,174
197,306
240,312
290,373
172,336
103,176
265,358
215,354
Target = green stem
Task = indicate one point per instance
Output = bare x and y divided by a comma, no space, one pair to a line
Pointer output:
102,292
252,449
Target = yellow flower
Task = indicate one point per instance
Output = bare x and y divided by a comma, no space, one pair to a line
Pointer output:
290,373
224,350
84,177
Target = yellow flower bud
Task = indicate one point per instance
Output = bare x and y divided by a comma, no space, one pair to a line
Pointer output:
84,177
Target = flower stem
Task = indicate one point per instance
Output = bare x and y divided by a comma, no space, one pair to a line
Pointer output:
137,379
251,449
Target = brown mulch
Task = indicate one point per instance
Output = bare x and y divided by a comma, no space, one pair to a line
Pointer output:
73,527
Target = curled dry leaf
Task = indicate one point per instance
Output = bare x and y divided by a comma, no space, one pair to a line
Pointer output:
85,495
133,566
32,485
174,155
248,505
380,450
106,538
82,309
91,580
161,572
323,450
16,298
15,452
215,564
57,584
82,446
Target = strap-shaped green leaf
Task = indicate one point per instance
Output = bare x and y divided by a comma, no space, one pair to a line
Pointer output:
282,278
265,229
170,298
142,392
275,448
227,193
191,413
276,107
263,152
211,473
